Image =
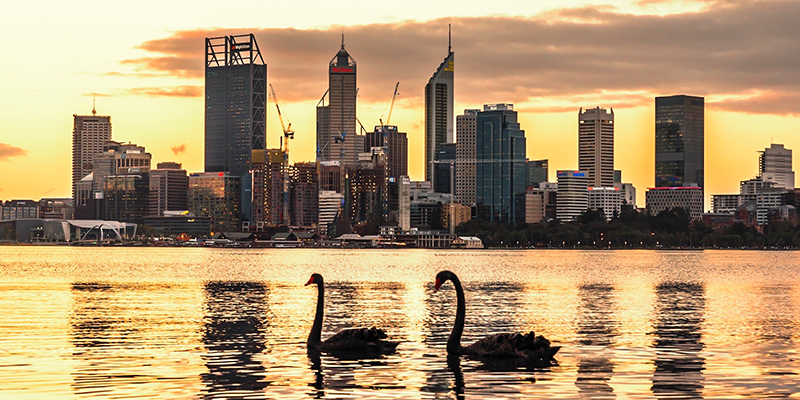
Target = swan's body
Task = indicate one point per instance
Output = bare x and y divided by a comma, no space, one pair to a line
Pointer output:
526,346
353,341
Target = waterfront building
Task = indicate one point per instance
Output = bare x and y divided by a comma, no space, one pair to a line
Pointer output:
466,139
177,223
126,197
235,102
690,198
537,172
56,208
572,196
19,209
89,134
216,195
607,199
680,141
501,171
169,188
725,203
540,204
439,112
330,202
119,158
305,195
444,169
596,146
394,145
775,164
336,119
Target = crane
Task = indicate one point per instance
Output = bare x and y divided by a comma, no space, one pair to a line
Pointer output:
391,106
288,133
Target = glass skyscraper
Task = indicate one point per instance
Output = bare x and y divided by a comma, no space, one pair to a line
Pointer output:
679,141
236,97
501,168
438,113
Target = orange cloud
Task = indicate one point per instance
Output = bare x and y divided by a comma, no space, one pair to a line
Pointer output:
178,149
8,151
176,91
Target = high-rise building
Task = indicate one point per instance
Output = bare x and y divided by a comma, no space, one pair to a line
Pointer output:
607,199
89,134
330,203
169,189
216,195
118,158
500,173
445,178
466,136
689,198
439,112
395,145
336,120
572,197
680,141
537,172
596,146
368,195
235,102
305,194
276,188
775,164
126,197
331,176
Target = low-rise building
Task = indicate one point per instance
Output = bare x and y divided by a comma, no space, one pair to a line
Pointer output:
689,198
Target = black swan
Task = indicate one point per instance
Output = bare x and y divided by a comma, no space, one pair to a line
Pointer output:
366,341
526,346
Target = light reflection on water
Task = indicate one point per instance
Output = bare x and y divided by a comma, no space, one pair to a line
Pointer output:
220,323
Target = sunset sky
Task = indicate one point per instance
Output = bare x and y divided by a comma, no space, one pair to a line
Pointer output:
144,63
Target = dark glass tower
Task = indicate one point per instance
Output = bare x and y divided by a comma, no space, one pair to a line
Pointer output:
336,120
500,173
679,141
236,97
438,113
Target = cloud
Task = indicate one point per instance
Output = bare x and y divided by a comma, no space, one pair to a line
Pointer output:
178,149
8,151
175,91
564,58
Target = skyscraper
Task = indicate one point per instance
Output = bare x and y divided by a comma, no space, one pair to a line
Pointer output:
572,198
438,112
236,97
680,141
336,121
395,144
89,134
466,132
537,172
500,170
169,189
596,146
775,164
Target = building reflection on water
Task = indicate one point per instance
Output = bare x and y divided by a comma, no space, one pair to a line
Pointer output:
679,364
597,331
237,317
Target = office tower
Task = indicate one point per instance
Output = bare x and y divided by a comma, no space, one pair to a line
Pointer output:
607,199
216,195
336,120
540,204
404,206
118,158
596,146
368,200
330,203
395,145
572,197
680,141
331,176
126,196
775,164
466,136
689,198
276,188
305,194
537,172
444,178
89,134
500,182
169,189
438,112
236,97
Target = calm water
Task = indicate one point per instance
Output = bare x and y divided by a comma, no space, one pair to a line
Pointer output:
228,323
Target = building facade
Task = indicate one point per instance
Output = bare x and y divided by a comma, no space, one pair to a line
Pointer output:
330,203
537,172
775,164
445,179
395,145
466,139
596,146
607,199
540,204
216,195
235,103
572,197
439,112
336,118
500,170
305,195
680,145
126,198
689,198
89,134
19,209
169,188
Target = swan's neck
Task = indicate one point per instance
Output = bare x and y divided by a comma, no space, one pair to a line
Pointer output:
315,337
454,343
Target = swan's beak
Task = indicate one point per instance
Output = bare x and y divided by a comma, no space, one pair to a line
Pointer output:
437,285
310,281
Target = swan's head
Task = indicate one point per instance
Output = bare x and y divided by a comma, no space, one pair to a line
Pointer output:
315,279
441,278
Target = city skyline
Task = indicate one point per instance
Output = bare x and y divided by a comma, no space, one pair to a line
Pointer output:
167,117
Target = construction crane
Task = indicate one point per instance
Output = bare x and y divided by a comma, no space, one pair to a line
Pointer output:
391,106
288,133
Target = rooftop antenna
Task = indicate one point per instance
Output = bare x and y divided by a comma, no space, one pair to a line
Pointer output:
342,40
449,38
94,109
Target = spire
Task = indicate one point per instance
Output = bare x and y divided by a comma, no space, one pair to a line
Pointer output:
94,109
342,40
449,38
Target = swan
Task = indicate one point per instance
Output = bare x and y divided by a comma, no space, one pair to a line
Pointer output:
516,345
358,340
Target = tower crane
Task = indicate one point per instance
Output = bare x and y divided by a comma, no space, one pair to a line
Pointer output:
288,133
391,106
